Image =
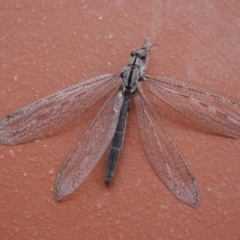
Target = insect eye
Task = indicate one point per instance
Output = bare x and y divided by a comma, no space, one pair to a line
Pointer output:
142,57
132,54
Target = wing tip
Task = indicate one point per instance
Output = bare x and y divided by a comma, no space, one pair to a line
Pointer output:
58,194
195,204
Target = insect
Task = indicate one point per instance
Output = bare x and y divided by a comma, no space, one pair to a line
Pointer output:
215,111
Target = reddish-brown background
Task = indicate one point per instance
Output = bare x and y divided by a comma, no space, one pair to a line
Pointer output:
48,45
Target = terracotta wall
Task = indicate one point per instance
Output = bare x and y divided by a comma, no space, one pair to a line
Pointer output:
48,45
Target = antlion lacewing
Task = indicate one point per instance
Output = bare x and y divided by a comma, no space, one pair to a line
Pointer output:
215,111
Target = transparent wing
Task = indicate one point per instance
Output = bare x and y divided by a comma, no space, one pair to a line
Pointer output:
54,111
164,155
215,111
89,148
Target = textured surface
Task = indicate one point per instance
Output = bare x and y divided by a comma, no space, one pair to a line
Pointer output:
47,46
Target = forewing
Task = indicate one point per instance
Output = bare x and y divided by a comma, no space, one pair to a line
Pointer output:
89,148
215,111
164,155
54,111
